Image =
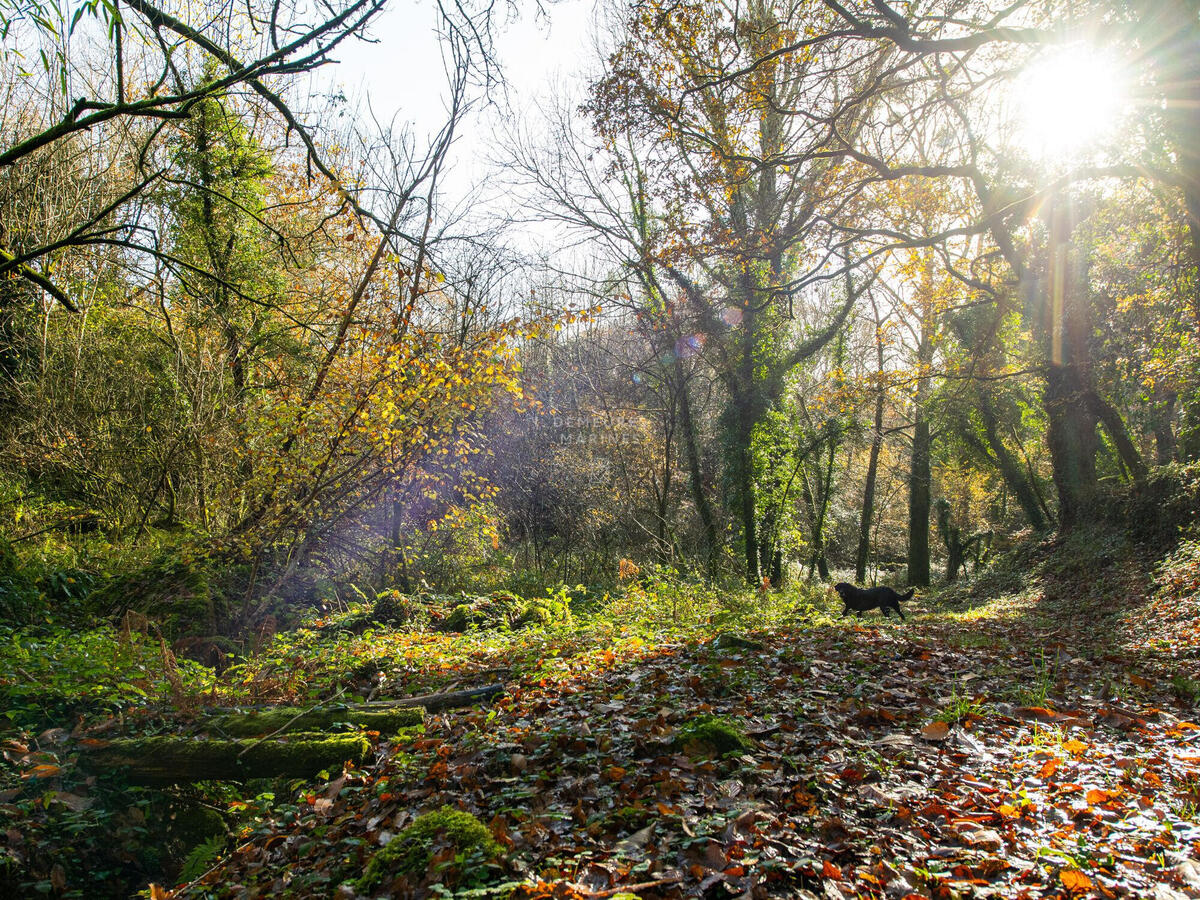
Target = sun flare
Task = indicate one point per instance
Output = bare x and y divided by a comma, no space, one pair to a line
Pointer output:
1067,100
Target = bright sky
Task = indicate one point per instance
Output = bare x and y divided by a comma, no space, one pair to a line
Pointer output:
402,76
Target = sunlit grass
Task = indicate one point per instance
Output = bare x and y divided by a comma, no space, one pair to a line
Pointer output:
1000,609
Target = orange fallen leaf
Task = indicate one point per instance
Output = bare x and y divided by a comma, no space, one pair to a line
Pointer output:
42,771
829,870
1075,881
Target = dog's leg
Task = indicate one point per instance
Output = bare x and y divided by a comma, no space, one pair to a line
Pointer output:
900,613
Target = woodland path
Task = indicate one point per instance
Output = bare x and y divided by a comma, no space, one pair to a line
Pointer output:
991,753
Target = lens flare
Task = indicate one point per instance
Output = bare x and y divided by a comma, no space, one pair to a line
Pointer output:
1067,100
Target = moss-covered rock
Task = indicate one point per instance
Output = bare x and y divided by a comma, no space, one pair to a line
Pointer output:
289,719
506,610
20,600
543,611
484,613
710,735
400,610
173,591
412,850
193,823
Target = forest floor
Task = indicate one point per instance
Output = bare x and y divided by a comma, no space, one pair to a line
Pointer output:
1026,737
1039,744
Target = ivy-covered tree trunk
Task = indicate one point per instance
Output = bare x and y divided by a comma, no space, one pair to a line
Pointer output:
1072,441
695,474
744,463
1071,429
1164,427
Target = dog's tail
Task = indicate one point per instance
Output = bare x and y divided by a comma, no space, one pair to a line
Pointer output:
909,595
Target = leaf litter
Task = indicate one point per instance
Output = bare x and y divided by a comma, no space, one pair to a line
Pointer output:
934,760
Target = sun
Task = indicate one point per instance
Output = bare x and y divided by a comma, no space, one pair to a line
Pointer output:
1067,100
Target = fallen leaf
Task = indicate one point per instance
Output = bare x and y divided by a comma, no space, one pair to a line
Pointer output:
1075,881
935,731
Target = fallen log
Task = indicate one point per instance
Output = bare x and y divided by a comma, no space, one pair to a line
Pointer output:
444,700
176,759
285,719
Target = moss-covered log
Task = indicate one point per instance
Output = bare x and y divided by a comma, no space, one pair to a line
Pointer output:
285,719
174,760
445,700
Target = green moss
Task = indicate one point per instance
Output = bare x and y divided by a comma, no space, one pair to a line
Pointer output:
410,852
192,823
709,735
291,719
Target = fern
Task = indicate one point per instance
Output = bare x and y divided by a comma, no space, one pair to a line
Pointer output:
201,858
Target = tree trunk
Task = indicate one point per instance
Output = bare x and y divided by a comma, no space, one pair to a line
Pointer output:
826,486
444,700
1119,434
749,514
868,504
918,504
1071,437
919,476
1164,429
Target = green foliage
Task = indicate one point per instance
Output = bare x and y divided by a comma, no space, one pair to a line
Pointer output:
552,610
504,610
410,852
49,671
1157,513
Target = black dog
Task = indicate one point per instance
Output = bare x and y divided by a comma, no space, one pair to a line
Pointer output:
861,600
